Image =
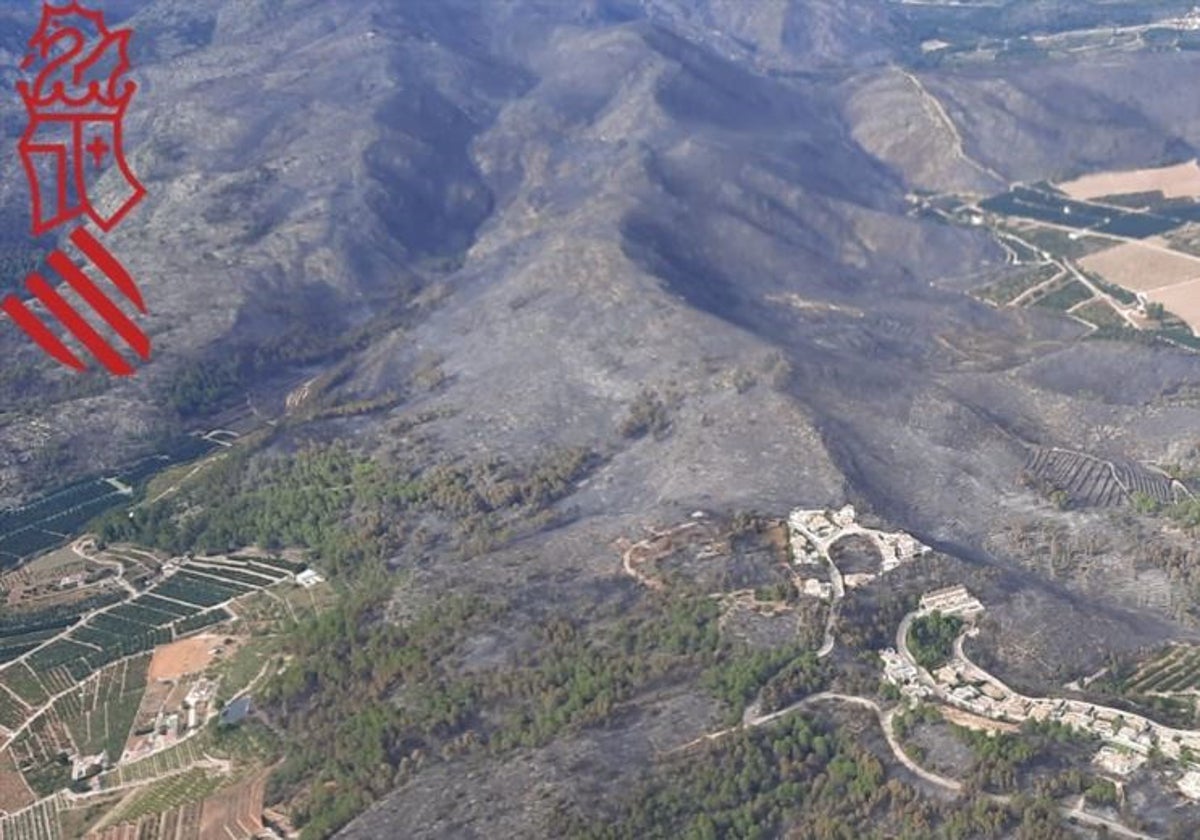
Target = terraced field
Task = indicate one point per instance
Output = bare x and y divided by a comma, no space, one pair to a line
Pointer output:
76,675
38,822
1043,205
1176,671
197,804
1009,289
100,716
181,757
75,648
1095,482
182,604
51,520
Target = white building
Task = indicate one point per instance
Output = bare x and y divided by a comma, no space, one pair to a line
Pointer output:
822,589
845,517
1189,784
1118,762
953,600
309,578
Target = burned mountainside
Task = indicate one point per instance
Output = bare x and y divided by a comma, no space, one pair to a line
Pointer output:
652,257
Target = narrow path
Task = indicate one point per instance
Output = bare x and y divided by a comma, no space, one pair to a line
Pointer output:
1021,299
1076,812
1067,266
937,112
887,724
287,603
174,488
80,546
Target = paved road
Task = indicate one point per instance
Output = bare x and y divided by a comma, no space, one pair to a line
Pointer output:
886,722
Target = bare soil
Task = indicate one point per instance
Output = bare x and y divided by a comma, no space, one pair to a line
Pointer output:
189,656
1179,181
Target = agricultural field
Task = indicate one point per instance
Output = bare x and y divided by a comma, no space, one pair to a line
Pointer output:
189,786
1043,205
1087,481
1007,290
12,711
1099,313
1186,239
1181,300
14,792
104,647
189,656
237,807
238,671
138,567
101,714
1138,251
1062,243
1176,671
1064,296
309,600
39,526
47,569
1142,267
1179,181
38,822
182,756
25,684
198,804
82,681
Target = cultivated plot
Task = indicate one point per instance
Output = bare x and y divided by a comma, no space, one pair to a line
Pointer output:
1183,300
118,683
1179,181
1142,268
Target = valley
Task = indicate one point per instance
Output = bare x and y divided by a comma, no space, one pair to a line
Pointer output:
634,376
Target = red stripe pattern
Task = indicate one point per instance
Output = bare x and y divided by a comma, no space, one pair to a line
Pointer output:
35,329
68,317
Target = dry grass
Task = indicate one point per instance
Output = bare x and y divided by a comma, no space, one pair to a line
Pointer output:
970,721
234,810
1179,181
1182,300
14,792
1140,268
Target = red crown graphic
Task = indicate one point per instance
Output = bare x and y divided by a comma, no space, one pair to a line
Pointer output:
76,103
82,65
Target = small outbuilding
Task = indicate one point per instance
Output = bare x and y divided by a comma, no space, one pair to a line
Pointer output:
235,712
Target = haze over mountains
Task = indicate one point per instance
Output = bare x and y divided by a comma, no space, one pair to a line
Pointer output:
531,214
608,198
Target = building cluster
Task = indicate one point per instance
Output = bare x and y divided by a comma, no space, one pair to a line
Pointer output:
83,766
1190,21
953,600
174,719
807,526
905,675
1118,762
816,588
198,701
813,533
1129,738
